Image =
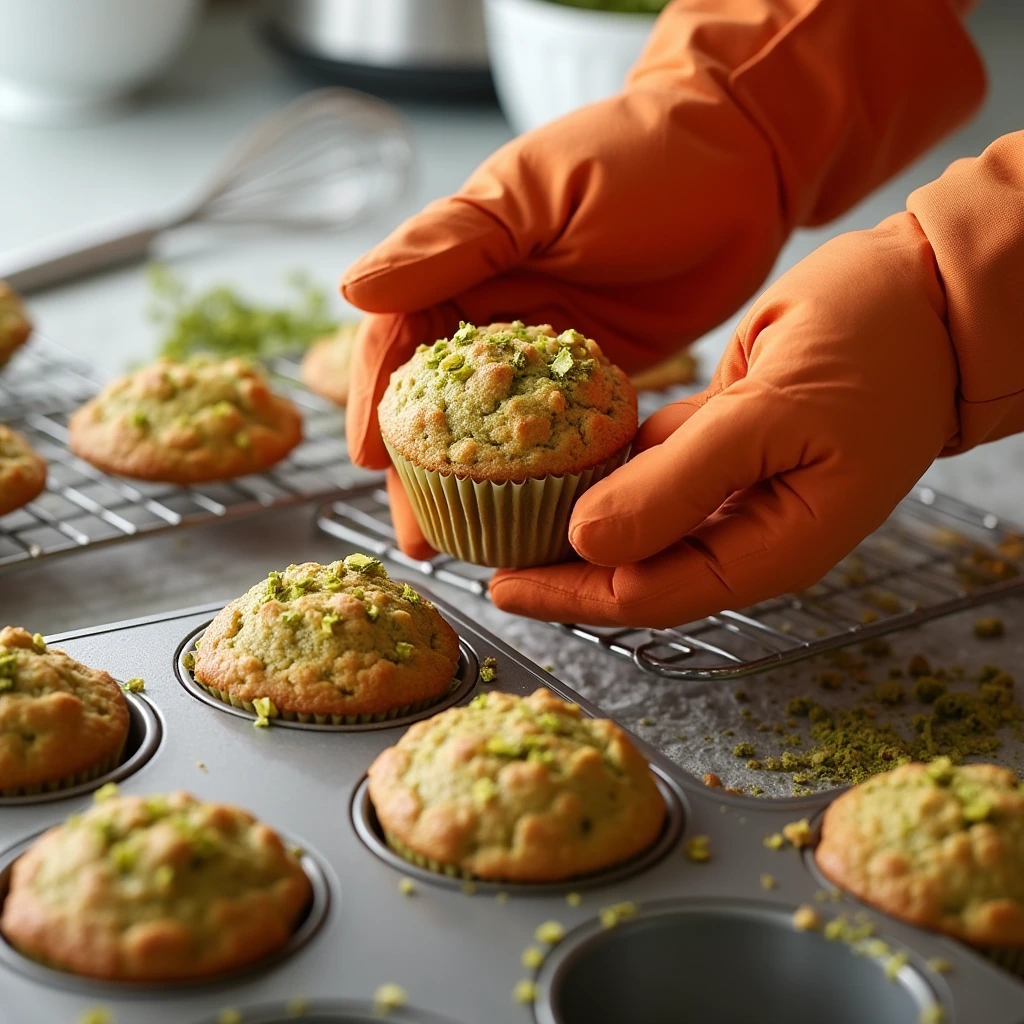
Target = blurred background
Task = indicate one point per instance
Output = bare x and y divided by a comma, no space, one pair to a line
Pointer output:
116,114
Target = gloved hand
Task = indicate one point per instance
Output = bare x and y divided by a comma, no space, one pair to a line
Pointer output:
647,219
878,352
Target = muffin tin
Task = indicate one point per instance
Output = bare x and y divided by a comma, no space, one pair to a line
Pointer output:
707,942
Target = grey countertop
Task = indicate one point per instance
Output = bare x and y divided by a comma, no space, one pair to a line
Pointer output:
52,180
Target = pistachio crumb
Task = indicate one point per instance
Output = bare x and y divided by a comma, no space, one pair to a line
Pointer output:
489,670
97,1015
547,667
550,932
229,1015
403,650
768,882
525,991
646,721
895,964
468,888
409,594
775,841
939,965
201,765
242,439
105,792
407,887
798,833
744,750
265,710
501,897
532,957
188,659
806,919
988,629
617,913
297,1006
135,685
698,849
574,899
933,1014
38,643
389,997
366,565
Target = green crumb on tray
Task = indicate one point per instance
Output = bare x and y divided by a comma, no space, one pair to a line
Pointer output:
468,888
501,897
574,899
201,765
615,914
389,997
933,1014
806,919
525,992
744,750
798,833
775,841
38,643
698,849
297,1006
96,1015
646,721
532,957
229,1015
188,660
105,792
768,882
988,629
550,932
890,692
489,670
265,710
895,964
939,965
407,887
135,685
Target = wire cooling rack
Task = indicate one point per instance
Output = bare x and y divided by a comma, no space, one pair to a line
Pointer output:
83,507
934,556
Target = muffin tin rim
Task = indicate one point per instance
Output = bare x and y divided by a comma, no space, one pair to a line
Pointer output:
140,710
925,990
362,818
334,1011
313,866
464,682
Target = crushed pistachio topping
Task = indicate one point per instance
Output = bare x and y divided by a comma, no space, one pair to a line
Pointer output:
489,670
403,650
135,685
139,419
364,564
532,957
409,594
617,913
525,991
327,623
242,439
188,659
38,643
389,997
550,932
698,849
406,886
744,750
105,792
484,790
806,919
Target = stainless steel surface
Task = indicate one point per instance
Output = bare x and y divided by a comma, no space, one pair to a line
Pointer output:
918,566
84,507
458,955
326,161
420,34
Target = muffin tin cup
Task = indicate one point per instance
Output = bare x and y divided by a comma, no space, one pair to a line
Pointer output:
461,686
508,525
51,975
144,734
723,962
394,852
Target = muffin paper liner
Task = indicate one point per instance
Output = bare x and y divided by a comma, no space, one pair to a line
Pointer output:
297,716
1010,958
108,764
508,525
429,863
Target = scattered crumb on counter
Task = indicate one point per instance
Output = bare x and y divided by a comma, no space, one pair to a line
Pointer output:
389,997
97,1015
469,888
532,957
617,913
775,841
698,849
406,886
229,1016
806,919
798,833
489,670
105,792
550,932
201,765
525,991
768,882
297,1006
574,899
135,685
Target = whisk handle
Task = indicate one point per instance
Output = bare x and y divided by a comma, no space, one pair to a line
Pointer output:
59,260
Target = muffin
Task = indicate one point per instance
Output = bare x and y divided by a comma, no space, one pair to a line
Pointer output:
15,326
497,431
338,643
155,889
938,846
327,365
206,419
22,471
61,723
516,789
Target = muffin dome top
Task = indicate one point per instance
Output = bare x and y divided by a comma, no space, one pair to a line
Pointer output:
15,452
155,887
57,716
938,845
517,788
15,326
508,402
342,638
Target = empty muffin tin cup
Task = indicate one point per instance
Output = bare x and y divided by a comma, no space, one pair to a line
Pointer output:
718,962
54,977
388,849
144,735
461,686
316,1011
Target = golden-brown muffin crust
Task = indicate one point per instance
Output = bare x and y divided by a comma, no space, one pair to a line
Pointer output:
335,640
155,889
206,419
15,325
508,402
517,789
57,716
327,366
22,471
939,846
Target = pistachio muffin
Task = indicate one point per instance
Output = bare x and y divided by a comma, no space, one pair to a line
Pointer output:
15,326
516,789
22,471
936,845
335,643
496,432
327,365
206,419
61,723
155,889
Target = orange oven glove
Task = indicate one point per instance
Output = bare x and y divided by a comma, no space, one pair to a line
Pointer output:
878,352
647,219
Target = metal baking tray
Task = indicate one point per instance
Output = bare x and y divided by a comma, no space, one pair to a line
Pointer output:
934,556
708,945
85,507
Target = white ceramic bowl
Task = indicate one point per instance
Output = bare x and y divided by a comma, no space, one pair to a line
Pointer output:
64,61
549,59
